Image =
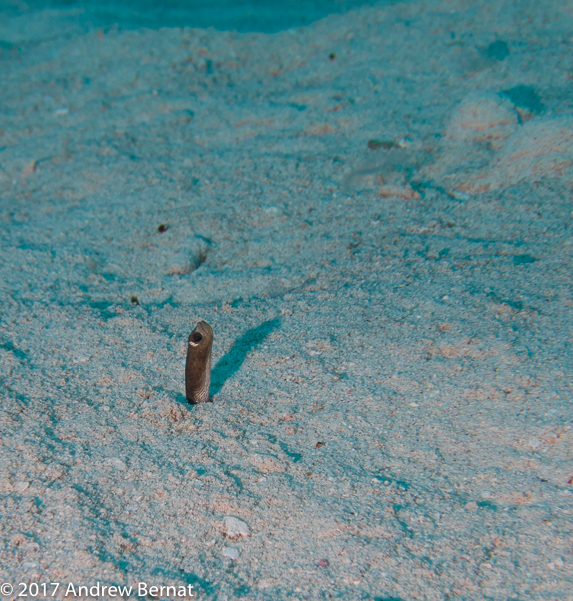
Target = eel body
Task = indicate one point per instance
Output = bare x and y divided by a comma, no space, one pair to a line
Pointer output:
198,364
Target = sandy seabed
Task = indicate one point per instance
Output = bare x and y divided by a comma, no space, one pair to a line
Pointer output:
374,214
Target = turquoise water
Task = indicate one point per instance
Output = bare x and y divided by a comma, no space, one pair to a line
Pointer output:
239,15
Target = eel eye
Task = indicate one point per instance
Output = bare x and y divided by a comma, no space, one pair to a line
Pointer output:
197,337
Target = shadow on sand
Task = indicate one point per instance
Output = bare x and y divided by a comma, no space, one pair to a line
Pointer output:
229,364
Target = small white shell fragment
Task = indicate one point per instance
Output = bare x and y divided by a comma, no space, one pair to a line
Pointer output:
557,564
117,463
534,443
21,486
271,210
235,528
460,195
81,358
231,553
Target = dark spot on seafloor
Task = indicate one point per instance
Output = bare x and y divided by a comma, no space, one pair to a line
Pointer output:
377,144
523,259
242,590
134,300
525,97
8,346
295,457
497,50
320,444
105,308
332,56
162,228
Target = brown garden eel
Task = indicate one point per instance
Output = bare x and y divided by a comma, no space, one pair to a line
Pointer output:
198,364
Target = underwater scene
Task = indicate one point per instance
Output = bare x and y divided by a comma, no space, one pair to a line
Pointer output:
286,302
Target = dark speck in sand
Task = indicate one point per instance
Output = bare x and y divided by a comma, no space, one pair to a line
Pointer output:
378,144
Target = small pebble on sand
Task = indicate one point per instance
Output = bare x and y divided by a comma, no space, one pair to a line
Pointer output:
482,116
236,528
231,553
21,486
